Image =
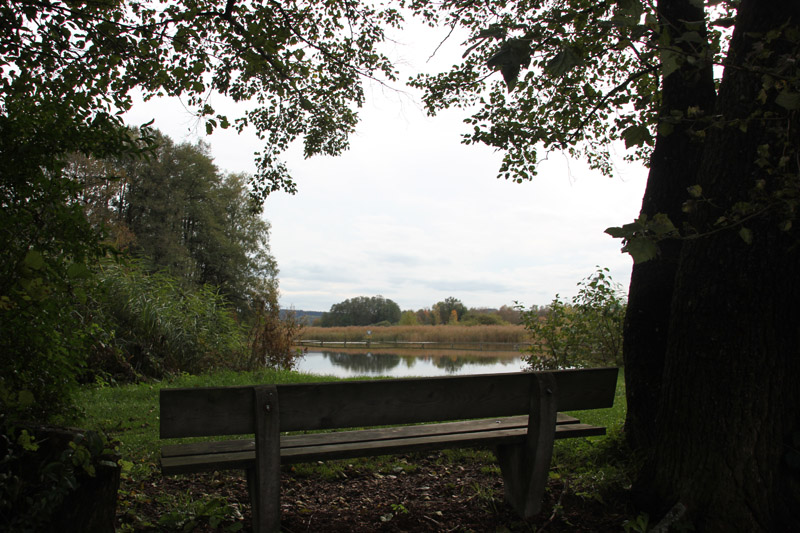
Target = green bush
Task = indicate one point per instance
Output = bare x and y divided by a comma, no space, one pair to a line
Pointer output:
166,326
44,470
586,332
44,339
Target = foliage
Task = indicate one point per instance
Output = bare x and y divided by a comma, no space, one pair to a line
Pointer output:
509,314
408,318
40,468
361,311
444,310
300,65
273,336
187,513
46,245
575,76
70,70
177,212
44,339
166,326
475,318
587,332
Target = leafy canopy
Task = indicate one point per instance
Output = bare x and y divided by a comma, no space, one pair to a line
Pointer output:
575,75
299,65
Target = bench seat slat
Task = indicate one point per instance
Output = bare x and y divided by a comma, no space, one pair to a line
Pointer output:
419,430
240,454
341,437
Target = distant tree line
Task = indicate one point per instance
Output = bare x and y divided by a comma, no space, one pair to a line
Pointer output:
362,311
377,310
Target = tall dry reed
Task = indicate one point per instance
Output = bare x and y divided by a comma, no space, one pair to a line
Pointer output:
443,334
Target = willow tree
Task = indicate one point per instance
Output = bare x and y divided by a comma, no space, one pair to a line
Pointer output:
708,97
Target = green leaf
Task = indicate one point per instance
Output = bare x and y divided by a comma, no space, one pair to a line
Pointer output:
26,398
563,62
34,260
788,100
617,233
636,136
746,235
695,191
661,225
641,249
78,271
670,62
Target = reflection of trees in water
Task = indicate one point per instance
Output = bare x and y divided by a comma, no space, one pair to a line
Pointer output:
377,363
454,364
363,362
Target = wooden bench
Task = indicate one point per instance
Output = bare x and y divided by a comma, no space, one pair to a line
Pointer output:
469,411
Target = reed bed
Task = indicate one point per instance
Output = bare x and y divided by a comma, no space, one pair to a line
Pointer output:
439,334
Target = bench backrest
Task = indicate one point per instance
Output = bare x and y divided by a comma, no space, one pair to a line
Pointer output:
196,412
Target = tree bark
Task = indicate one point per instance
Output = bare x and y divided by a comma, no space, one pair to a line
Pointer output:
728,414
673,168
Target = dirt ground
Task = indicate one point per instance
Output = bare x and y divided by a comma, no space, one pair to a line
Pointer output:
431,493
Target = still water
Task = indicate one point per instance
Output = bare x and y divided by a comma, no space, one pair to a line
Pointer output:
345,365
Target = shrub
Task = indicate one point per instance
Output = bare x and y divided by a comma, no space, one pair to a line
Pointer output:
43,340
587,332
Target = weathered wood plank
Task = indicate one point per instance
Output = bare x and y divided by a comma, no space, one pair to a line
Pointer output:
467,426
170,450
311,406
206,412
240,454
187,464
265,478
335,405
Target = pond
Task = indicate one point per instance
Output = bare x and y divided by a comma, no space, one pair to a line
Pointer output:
368,364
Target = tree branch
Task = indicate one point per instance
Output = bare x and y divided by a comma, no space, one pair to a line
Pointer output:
608,95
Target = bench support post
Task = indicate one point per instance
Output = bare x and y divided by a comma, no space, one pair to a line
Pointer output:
264,480
526,466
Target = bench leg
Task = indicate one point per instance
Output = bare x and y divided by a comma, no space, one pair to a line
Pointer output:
526,466
252,491
264,481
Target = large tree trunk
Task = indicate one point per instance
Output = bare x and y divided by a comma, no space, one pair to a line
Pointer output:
673,168
731,388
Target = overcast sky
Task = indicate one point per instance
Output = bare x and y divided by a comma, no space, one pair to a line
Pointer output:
414,215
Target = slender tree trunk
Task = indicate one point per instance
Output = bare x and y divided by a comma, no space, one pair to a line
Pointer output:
673,168
728,423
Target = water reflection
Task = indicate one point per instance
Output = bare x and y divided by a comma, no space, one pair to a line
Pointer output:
341,364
